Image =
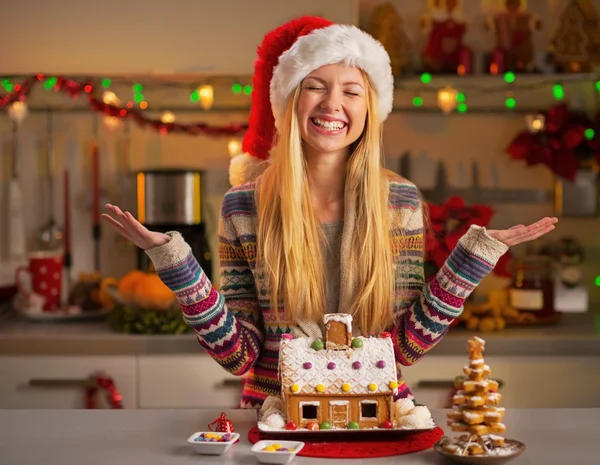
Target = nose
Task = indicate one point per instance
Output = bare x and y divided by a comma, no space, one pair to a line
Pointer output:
332,101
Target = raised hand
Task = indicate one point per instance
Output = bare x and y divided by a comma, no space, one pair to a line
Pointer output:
130,228
521,233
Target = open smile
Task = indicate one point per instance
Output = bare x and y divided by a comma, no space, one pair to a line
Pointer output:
328,127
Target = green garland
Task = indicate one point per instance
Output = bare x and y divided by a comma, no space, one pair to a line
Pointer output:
130,319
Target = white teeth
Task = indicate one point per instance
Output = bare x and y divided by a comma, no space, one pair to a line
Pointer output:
329,125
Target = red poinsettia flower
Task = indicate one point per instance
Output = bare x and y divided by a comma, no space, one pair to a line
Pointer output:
449,222
562,143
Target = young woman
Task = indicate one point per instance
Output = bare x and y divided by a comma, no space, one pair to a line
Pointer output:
323,228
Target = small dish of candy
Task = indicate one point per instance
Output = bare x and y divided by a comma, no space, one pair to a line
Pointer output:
211,443
276,451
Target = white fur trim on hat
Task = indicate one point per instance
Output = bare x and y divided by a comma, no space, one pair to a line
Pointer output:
338,43
244,168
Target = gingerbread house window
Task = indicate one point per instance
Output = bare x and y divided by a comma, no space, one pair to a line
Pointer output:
368,409
338,331
309,410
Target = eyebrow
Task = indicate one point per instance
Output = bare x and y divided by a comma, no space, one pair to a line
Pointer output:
348,83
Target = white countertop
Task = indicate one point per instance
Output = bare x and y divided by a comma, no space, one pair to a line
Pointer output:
158,437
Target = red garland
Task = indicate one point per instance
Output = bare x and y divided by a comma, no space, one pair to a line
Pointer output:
448,223
105,383
75,88
562,144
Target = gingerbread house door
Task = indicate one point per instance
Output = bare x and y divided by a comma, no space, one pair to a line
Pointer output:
339,412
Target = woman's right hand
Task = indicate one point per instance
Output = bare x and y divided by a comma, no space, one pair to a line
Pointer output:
130,228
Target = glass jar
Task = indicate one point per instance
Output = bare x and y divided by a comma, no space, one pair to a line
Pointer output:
532,289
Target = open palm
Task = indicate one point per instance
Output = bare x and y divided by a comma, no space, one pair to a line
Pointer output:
521,233
126,225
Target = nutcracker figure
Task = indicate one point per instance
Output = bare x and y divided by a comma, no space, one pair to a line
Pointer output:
513,28
445,27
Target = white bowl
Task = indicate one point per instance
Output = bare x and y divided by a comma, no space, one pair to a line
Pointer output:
274,456
211,448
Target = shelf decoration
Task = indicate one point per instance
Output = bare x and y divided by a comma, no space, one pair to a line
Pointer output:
387,27
513,28
563,139
575,45
109,106
445,27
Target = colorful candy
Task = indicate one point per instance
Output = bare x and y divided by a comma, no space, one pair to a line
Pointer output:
277,448
213,437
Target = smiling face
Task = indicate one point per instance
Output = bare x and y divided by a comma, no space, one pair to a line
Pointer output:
332,109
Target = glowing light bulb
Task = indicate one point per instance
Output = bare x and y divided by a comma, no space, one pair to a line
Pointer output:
446,98
206,96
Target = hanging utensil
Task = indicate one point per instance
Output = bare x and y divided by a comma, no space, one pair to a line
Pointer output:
50,235
17,247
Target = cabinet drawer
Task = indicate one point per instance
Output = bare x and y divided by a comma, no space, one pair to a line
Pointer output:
50,382
186,381
527,382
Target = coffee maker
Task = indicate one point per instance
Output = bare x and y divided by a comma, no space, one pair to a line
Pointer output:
171,200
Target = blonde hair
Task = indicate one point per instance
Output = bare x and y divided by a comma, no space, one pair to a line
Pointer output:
289,232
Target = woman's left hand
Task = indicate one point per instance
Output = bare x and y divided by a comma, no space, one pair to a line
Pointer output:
521,233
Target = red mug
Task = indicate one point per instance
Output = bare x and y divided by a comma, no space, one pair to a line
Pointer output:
45,270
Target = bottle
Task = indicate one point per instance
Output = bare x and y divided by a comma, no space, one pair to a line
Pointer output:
532,289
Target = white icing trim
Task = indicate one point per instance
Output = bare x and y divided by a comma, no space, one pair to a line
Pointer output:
345,318
339,402
368,401
312,402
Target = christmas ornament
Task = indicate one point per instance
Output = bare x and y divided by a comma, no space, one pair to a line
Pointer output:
107,384
445,27
18,111
513,29
575,45
446,99
223,424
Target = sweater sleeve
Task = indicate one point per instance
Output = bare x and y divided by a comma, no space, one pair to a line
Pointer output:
227,322
425,319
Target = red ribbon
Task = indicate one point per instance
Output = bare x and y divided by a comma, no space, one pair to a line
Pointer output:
114,398
76,88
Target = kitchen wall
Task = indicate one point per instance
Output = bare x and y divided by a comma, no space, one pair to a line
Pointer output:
429,136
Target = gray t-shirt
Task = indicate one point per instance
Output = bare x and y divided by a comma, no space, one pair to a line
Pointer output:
331,256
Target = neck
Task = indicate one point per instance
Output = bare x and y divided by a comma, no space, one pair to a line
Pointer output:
327,176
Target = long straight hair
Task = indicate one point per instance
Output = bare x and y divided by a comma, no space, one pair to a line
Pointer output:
289,232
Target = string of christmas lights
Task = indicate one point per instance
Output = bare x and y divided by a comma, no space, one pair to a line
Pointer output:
109,106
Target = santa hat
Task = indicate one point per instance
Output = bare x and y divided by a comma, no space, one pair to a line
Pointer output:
285,57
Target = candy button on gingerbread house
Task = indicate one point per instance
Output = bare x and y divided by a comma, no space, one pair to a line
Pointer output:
341,381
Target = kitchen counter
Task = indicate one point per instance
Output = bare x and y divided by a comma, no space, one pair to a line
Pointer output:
574,335
149,437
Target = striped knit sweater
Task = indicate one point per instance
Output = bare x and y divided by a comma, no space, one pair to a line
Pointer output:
237,328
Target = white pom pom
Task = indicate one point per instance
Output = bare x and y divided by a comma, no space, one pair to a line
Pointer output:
275,421
404,406
243,168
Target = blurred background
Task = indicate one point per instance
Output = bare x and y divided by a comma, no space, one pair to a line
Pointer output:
142,104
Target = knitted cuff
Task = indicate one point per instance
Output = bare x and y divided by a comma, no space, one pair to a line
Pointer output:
170,254
477,242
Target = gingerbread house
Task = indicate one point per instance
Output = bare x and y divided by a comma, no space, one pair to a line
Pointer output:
344,381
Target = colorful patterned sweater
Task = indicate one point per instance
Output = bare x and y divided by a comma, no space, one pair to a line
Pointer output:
237,328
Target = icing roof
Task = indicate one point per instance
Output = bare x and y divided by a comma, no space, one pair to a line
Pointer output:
376,358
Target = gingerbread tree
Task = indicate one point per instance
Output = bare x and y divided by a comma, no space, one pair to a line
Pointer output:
475,404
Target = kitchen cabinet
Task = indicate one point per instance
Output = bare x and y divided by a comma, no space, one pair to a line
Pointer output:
56,382
186,381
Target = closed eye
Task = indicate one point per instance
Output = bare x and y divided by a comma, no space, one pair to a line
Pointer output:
315,88
352,93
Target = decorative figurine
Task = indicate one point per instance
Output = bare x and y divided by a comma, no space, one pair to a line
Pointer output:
513,28
445,51
386,26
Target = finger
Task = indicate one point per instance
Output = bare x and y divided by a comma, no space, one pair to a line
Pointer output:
118,227
536,234
517,226
121,217
533,228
